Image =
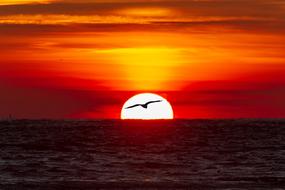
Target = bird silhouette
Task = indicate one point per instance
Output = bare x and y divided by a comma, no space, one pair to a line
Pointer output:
144,105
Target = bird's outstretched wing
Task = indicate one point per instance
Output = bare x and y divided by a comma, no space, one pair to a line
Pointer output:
133,106
144,105
150,102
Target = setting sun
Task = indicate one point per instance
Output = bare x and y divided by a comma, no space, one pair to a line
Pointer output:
147,106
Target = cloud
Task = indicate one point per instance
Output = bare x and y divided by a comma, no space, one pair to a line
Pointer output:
17,2
169,9
115,16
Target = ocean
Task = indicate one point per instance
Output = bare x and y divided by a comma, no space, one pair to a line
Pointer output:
114,154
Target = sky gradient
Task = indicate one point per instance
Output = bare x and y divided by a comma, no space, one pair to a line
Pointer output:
84,59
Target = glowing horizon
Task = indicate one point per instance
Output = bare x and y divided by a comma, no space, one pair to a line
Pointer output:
211,58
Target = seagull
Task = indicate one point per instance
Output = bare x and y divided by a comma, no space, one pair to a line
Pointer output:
143,105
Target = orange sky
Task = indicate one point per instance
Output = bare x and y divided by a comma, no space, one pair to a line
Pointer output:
210,58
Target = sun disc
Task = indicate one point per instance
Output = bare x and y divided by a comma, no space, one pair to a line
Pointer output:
147,106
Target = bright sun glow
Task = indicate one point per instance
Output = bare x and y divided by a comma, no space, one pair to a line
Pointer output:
147,106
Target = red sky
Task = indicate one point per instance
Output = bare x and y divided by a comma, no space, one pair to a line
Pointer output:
84,59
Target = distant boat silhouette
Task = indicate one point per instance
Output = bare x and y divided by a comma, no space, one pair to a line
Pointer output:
143,105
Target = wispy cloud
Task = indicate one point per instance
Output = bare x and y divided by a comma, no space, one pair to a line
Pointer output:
17,2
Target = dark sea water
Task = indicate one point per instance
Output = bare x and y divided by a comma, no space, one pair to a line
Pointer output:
180,154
